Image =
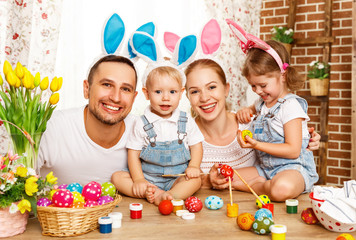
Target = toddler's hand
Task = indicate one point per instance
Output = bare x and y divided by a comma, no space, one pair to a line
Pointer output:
314,142
192,172
139,187
248,143
244,115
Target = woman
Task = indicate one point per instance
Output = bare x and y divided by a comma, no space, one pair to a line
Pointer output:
207,90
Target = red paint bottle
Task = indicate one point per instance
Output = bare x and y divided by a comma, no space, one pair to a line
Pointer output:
136,210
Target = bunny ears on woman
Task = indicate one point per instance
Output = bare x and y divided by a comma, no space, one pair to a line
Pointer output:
248,41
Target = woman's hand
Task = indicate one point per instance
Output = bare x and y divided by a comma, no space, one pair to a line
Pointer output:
314,142
217,180
139,187
244,115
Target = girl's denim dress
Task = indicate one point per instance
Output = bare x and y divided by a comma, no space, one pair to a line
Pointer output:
159,158
271,165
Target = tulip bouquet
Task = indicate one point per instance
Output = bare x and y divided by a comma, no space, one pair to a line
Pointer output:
23,111
20,186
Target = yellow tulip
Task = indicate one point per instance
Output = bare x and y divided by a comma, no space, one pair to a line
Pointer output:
37,79
44,84
54,84
24,206
21,171
19,70
32,79
18,82
60,82
11,78
31,186
54,99
7,67
1,80
27,81
51,179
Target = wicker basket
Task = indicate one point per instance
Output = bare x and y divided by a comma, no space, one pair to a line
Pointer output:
64,222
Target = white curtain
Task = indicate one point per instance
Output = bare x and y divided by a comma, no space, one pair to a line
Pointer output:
247,15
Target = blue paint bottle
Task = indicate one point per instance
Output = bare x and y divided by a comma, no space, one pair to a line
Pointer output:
105,224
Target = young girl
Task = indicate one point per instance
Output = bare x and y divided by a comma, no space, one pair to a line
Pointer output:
280,133
159,144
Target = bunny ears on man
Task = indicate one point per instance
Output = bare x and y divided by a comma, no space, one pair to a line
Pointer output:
248,41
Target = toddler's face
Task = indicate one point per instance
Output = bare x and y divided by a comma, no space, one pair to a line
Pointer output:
164,94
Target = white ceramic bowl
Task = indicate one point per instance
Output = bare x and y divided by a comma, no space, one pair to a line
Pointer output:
327,221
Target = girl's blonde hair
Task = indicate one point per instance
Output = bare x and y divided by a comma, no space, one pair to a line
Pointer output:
258,62
171,72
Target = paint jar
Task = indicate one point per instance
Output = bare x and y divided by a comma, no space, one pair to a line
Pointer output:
269,206
180,213
105,224
292,205
232,211
278,232
177,205
136,210
116,219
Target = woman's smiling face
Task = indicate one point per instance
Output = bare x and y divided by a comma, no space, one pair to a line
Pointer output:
206,93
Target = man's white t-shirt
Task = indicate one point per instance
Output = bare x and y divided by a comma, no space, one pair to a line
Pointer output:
67,150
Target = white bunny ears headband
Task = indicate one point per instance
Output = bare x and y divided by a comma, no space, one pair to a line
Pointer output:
248,41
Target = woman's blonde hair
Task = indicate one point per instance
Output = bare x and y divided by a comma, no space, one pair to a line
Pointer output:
258,62
165,71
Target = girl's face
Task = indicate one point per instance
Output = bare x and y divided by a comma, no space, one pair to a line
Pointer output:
269,87
164,94
206,93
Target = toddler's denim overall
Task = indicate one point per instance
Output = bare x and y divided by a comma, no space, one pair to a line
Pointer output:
271,165
170,157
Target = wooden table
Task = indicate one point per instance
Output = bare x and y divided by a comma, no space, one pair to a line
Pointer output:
208,224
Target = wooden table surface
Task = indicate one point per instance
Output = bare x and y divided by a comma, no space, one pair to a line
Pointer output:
208,224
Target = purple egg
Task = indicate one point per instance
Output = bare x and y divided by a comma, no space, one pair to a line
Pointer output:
44,202
63,186
105,199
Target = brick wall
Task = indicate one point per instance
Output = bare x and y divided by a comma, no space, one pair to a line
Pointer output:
310,23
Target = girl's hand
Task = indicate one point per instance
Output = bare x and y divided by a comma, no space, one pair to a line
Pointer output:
139,187
244,115
249,143
217,180
314,142
192,172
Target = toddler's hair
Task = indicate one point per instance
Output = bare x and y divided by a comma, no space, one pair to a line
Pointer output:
258,62
164,71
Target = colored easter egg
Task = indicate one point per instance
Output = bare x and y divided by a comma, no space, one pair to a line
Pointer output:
63,186
108,189
78,197
245,221
308,216
105,199
78,205
44,202
261,225
345,236
245,133
193,204
227,171
263,212
165,207
75,187
90,203
214,202
63,198
91,191
264,198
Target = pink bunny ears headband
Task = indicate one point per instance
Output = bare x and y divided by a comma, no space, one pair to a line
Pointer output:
249,41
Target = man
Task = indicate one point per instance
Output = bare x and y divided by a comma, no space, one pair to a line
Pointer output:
89,143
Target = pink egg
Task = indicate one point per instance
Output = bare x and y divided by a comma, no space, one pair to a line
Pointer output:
90,203
105,199
63,186
63,198
193,204
92,191
44,202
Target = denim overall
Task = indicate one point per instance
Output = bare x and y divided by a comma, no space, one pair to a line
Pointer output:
170,157
271,165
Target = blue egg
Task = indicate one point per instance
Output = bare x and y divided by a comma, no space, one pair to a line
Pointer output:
214,202
75,187
263,212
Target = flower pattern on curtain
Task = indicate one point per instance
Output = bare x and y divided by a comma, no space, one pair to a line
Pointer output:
29,33
247,15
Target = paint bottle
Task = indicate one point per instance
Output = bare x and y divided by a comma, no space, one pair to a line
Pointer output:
278,232
232,211
269,206
292,205
116,219
177,205
105,224
136,210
